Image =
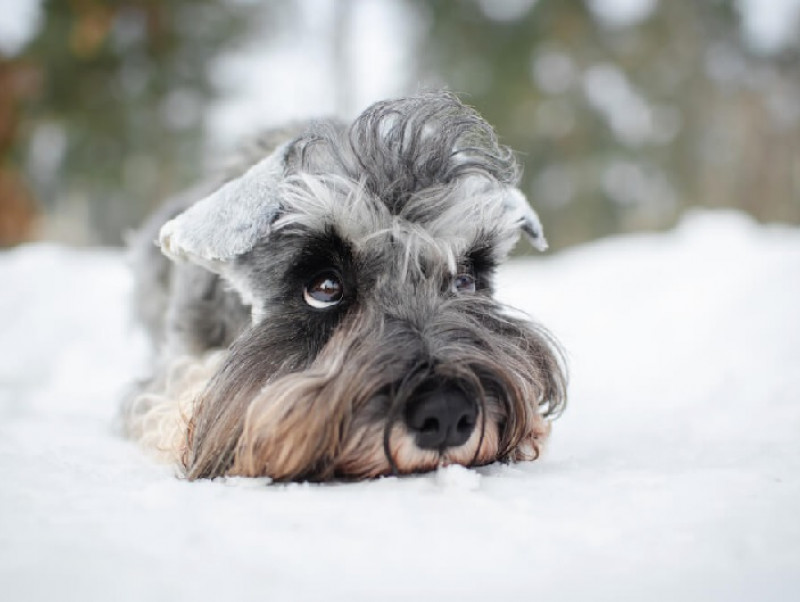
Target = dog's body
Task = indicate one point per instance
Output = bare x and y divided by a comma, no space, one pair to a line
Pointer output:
328,312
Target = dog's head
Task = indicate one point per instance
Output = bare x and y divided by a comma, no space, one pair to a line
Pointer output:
367,255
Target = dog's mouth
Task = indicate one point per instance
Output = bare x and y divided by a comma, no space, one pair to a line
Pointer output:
402,455
478,448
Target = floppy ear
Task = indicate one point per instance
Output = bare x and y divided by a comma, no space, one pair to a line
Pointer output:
231,220
529,223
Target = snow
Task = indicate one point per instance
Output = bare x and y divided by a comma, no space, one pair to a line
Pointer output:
673,475
19,21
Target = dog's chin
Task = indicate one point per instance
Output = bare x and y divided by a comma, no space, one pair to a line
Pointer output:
368,454
401,455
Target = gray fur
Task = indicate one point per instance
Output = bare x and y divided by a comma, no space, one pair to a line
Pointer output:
414,194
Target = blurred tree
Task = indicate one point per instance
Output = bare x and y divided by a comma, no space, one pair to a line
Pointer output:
118,119
622,121
17,208
622,124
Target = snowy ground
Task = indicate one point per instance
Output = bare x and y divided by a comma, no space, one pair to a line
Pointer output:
673,475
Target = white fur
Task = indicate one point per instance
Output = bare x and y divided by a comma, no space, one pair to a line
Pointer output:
230,221
157,418
529,221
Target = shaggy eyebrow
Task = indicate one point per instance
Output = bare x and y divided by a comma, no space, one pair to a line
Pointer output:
481,257
321,250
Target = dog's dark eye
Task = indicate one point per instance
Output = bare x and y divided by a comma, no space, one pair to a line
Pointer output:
324,290
464,283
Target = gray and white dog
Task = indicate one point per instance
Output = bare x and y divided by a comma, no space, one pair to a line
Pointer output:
328,308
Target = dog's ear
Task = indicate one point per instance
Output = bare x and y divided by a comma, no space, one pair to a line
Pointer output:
516,203
230,221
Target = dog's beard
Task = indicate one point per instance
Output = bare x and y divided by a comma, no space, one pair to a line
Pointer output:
340,414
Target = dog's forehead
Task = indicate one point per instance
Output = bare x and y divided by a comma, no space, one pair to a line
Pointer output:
439,224
426,171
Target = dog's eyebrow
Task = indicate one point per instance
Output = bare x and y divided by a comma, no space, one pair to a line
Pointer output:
320,249
481,257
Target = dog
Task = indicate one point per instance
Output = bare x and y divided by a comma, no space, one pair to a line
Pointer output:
324,309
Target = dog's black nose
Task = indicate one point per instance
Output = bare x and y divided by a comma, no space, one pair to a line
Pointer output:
441,417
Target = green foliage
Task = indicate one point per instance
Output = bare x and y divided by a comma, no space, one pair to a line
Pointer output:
123,89
622,127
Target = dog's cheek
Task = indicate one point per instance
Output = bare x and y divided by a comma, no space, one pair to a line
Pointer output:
295,332
318,327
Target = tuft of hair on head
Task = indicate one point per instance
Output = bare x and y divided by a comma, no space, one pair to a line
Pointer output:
399,147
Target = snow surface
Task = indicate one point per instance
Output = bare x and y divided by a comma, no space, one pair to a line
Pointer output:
673,475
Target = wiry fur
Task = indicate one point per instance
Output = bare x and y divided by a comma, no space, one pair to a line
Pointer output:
412,194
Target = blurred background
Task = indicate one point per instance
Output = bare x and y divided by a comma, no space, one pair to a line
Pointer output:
624,112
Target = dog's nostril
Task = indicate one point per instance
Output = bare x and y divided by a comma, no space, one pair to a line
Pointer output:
465,424
431,425
441,417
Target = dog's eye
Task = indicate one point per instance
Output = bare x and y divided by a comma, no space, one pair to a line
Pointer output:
324,290
464,283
